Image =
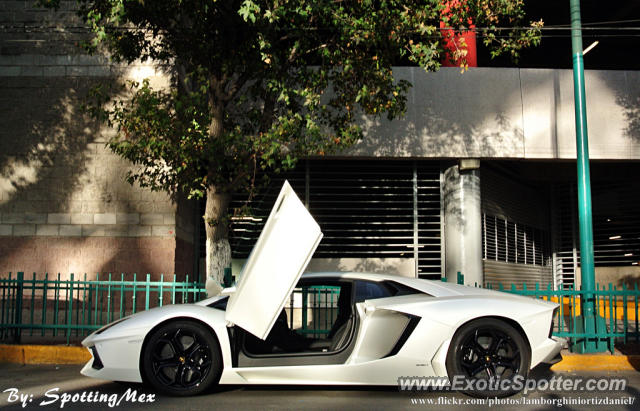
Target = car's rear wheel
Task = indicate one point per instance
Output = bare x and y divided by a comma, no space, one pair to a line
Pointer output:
490,353
181,358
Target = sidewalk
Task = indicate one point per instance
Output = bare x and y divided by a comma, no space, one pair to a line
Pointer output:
598,362
63,354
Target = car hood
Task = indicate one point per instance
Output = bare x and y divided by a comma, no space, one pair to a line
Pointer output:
282,252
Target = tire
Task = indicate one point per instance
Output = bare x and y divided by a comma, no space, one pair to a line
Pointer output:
181,358
488,351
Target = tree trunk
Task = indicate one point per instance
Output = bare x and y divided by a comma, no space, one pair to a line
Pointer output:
215,214
217,245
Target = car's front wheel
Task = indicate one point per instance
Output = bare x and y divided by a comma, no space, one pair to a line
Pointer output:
181,358
486,356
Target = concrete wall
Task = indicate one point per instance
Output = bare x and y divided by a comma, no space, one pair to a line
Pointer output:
64,203
618,276
508,113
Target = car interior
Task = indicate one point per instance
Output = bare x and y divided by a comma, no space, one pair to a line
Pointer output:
320,331
331,307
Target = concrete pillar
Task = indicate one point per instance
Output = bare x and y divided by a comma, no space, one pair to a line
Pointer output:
463,224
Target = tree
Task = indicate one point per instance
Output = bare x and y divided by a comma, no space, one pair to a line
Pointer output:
258,84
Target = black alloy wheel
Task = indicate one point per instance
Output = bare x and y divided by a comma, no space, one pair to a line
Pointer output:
182,358
488,351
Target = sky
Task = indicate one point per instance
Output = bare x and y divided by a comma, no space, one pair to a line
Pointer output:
615,24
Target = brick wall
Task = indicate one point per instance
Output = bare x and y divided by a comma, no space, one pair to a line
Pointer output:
92,255
64,203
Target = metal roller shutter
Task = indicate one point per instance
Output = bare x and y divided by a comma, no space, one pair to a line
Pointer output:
498,272
429,219
366,209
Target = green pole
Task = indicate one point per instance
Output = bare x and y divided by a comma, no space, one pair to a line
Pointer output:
589,323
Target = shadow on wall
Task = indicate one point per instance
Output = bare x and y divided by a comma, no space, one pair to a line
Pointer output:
44,144
438,135
45,147
450,114
54,167
629,280
631,105
626,86
396,266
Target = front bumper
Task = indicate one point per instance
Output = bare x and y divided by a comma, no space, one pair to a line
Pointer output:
115,359
554,356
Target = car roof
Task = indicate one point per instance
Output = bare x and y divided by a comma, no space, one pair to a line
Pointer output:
435,288
350,275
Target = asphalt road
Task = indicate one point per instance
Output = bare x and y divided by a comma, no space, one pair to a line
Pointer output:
46,387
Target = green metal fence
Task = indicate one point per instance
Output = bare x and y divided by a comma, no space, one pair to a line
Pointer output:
314,311
51,306
618,305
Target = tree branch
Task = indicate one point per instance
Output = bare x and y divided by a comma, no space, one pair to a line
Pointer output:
236,85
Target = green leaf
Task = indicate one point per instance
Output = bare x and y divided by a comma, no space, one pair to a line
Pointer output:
259,85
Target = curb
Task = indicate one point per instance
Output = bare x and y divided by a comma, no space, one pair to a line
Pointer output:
63,354
597,362
43,354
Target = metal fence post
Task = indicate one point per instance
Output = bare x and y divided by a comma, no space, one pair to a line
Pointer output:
134,293
228,278
69,308
109,300
3,328
303,306
635,296
147,292
18,312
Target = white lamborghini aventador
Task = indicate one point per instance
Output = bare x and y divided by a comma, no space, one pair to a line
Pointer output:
378,327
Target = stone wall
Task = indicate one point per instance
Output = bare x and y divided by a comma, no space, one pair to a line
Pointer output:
64,203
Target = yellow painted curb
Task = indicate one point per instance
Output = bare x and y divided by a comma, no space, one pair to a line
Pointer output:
598,362
43,354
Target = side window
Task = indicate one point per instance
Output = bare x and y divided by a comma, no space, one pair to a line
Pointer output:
368,290
401,289
220,304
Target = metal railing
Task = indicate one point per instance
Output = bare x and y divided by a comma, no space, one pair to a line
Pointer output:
312,310
618,306
53,306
